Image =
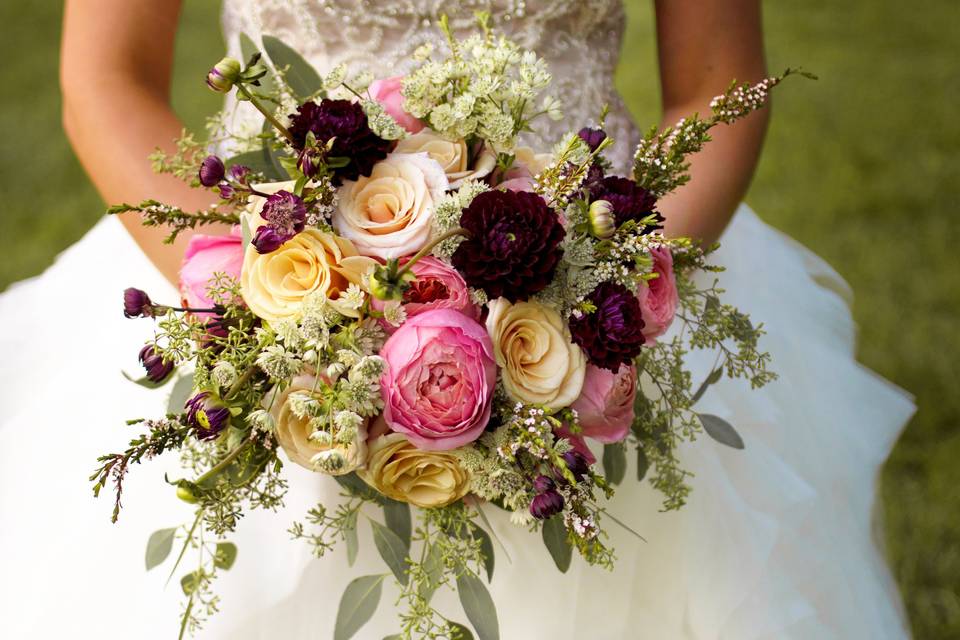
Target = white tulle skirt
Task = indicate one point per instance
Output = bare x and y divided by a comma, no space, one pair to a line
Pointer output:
775,542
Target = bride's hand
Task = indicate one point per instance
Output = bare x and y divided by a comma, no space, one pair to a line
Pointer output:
703,45
116,61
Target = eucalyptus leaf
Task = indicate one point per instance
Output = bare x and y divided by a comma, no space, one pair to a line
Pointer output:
247,232
248,47
643,464
159,546
397,517
720,430
277,159
459,631
391,550
180,393
486,548
225,555
300,76
259,160
555,539
478,605
354,486
353,543
713,378
614,462
190,582
395,636
357,605
433,568
145,381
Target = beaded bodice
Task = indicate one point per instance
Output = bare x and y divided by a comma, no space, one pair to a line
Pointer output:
579,39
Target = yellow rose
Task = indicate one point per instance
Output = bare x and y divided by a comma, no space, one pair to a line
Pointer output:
400,471
453,156
532,346
293,433
388,214
274,284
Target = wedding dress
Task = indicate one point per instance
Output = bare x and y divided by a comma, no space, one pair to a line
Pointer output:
775,542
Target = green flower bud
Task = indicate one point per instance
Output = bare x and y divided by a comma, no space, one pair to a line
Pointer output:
385,285
601,219
223,75
185,492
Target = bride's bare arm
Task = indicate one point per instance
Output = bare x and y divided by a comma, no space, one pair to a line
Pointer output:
703,45
116,61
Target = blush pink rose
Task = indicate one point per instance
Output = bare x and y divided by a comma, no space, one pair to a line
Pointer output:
205,256
658,297
438,286
605,406
438,384
386,91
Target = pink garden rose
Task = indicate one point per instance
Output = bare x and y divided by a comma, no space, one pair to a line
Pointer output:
386,91
605,406
438,286
438,384
658,297
205,256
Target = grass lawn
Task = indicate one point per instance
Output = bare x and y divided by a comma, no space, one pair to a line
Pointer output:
860,166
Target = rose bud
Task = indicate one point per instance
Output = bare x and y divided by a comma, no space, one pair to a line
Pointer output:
542,484
137,304
267,240
211,171
593,137
600,215
207,414
223,75
577,464
546,504
156,367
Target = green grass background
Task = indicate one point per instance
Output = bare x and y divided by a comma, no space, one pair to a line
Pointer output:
860,166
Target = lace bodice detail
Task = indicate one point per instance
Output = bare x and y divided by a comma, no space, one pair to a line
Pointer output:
579,39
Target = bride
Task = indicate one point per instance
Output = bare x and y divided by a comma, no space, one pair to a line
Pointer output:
776,540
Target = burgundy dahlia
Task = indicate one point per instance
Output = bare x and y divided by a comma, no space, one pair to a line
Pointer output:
613,334
207,414
157,368
346,123
514,244
546,504
136,303
630,202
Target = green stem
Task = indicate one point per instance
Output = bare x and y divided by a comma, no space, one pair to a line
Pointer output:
459,231
242,380
223,464
266,114
186,617
186,543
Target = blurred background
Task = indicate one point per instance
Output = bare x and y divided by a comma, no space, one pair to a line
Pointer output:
861,167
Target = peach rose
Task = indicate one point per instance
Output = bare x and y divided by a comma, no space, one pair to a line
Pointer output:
453,156
539,363
387,91
526,165
399,470
388,214
294,432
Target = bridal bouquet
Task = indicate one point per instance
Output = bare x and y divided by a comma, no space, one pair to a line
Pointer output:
416,305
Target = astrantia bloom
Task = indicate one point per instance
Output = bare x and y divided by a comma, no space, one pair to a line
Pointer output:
612,334
207,414
346,123
136,303
514,244
154,364
629,201
438,385
286,216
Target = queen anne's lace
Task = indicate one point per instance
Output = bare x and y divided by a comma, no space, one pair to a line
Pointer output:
579,39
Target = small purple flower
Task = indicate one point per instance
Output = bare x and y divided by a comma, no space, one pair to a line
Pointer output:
546,504
227,190
543,483
308,161
593,137
156,367
613,334
267,240
223,75
137,304
211,171
240,173
577,464
207,414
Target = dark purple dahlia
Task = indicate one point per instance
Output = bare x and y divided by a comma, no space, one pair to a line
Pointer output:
514,244
158,369
630,202
613,334
207,414
346,123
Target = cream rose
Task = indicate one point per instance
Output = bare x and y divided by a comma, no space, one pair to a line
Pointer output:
399,470
534,162
293,433
539,363
452,155
388,214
